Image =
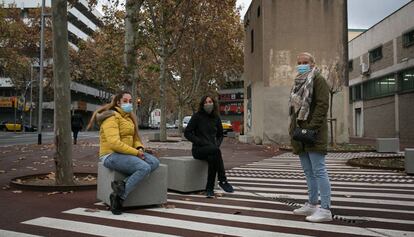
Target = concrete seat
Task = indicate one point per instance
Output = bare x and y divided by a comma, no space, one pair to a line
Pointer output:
409,161
388,145
186,174
152,190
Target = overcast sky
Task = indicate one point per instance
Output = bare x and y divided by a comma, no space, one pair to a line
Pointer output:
362,14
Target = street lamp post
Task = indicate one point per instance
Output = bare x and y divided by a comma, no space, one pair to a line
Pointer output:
42,36
31,96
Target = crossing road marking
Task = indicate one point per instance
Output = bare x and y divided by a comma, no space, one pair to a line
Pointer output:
92,229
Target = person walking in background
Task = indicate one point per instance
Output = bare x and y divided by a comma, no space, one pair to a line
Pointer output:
121,148
77,125
308,106
205,132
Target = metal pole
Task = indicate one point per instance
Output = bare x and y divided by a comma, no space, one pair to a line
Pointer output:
42,41
31,96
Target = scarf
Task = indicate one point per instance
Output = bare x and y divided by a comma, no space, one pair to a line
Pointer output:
301,94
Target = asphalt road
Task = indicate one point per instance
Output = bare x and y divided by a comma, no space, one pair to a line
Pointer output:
20,138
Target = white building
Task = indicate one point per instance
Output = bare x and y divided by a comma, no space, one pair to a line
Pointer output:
82,21
381,78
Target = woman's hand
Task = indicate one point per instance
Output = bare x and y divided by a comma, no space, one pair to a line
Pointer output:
141,153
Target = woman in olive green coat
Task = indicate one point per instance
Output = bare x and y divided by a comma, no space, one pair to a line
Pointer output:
308,106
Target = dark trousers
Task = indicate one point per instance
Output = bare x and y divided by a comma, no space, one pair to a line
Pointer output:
212,155
75,135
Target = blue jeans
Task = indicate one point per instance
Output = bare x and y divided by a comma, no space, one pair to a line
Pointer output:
317,180
132,166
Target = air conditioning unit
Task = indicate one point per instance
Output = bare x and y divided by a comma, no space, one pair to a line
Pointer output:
364,69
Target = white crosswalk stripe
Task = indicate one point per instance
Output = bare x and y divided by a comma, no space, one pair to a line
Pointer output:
92,229
383,200
15,234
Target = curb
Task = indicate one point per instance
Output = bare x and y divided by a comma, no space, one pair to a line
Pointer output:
48,188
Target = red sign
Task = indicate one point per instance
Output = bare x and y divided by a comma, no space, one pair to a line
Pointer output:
231,108
231,97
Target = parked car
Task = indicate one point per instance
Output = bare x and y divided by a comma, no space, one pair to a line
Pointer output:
186,119
227,127
29,128
16,127
170,125
10,126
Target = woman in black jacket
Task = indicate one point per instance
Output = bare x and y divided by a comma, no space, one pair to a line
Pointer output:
206,133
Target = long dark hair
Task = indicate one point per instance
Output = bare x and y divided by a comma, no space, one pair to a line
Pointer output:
201,105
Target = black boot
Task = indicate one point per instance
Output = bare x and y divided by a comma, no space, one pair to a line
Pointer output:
116,204
118,187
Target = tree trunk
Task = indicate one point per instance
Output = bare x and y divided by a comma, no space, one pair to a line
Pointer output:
330,116
130,54
163,128
180,118
62,128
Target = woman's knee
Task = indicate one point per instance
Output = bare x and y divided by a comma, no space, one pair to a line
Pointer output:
145,168
320,172
152,161
154,164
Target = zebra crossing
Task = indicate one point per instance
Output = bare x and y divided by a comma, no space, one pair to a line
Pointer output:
364,203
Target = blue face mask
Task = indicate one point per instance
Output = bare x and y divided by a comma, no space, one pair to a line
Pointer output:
127,107
303,68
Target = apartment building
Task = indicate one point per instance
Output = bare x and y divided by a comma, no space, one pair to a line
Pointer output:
381,78
82,23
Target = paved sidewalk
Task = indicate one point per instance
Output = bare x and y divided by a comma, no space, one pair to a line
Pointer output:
380,202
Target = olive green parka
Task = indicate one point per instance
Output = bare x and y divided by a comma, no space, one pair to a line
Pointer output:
317,119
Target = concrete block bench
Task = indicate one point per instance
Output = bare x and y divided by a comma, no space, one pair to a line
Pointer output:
388,145
231,134
246,138
154,136
152,190
186,174
409,161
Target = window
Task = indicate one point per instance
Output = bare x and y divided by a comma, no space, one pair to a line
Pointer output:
258,11
251,41
355,93
379,87
375,54
408,39
407,80
351,65
249,92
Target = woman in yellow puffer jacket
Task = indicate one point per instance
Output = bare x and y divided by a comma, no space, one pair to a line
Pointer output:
121,148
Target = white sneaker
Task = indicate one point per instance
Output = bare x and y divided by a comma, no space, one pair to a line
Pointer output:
320,215
306,210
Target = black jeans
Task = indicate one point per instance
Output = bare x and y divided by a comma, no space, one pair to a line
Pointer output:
75,134
212,155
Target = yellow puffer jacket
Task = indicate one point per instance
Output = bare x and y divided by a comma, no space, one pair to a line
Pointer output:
117,134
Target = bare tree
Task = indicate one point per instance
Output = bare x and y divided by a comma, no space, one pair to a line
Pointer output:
132,16
165,24
335,85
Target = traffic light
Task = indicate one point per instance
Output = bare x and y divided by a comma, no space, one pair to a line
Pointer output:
138,101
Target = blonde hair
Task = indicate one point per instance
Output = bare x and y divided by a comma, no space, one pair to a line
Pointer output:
111,106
